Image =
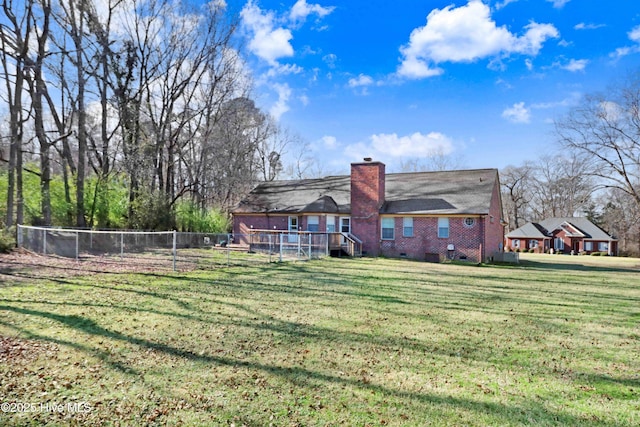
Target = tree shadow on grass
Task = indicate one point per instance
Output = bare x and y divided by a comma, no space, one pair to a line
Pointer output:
502,413
102,355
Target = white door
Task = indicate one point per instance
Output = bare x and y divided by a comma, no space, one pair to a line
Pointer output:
293,229
345,226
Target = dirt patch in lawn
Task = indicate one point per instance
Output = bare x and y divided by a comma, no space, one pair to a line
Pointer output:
21,265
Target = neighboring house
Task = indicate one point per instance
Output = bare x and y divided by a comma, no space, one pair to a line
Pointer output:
424,215
562,235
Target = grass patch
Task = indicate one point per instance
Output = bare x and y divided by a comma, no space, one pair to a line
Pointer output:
553,341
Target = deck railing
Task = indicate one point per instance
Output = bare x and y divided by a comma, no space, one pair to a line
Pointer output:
304,243
347,242
354,245
283,243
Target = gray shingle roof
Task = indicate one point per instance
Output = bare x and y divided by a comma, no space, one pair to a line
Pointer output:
449,192
546,227
529,230
589,229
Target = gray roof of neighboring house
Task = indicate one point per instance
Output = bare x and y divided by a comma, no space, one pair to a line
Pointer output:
527,231
546,227
448,192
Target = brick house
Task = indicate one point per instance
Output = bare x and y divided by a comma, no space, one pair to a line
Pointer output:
424,215
562,235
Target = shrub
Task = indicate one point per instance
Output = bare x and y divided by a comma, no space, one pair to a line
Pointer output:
190,217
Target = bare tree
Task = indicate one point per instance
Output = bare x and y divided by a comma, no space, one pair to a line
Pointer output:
39,13
561,185
160,95
15,40
620,216
606,128
516,187
234,165
271,148
438,160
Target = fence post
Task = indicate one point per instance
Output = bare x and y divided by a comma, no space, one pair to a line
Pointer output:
310,236
175,250
326,241
77,245
44,241
270,247
19,237
281,240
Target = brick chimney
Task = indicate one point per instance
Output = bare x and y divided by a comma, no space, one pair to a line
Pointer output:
367,197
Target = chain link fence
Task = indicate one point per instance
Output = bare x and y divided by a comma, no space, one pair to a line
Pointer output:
148,250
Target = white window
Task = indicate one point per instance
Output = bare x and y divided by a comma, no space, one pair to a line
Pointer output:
515,243
331,223
313,223
469,222
559,244
588,246
603,246
443,228
407,226
388,228
533,244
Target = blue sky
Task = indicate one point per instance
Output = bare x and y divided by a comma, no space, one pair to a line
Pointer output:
479,81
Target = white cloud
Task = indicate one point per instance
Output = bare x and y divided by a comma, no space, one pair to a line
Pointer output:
361,80
267,42
391,145
504,84
531,42
612,110
330,142
283,70
503,4
218,4
559,4
301,10
570,101
330,59
517,114
529,64
576,65
634,36
466,34
282,104
415,68
622,51
584,26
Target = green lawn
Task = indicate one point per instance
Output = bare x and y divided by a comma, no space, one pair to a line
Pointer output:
553,341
